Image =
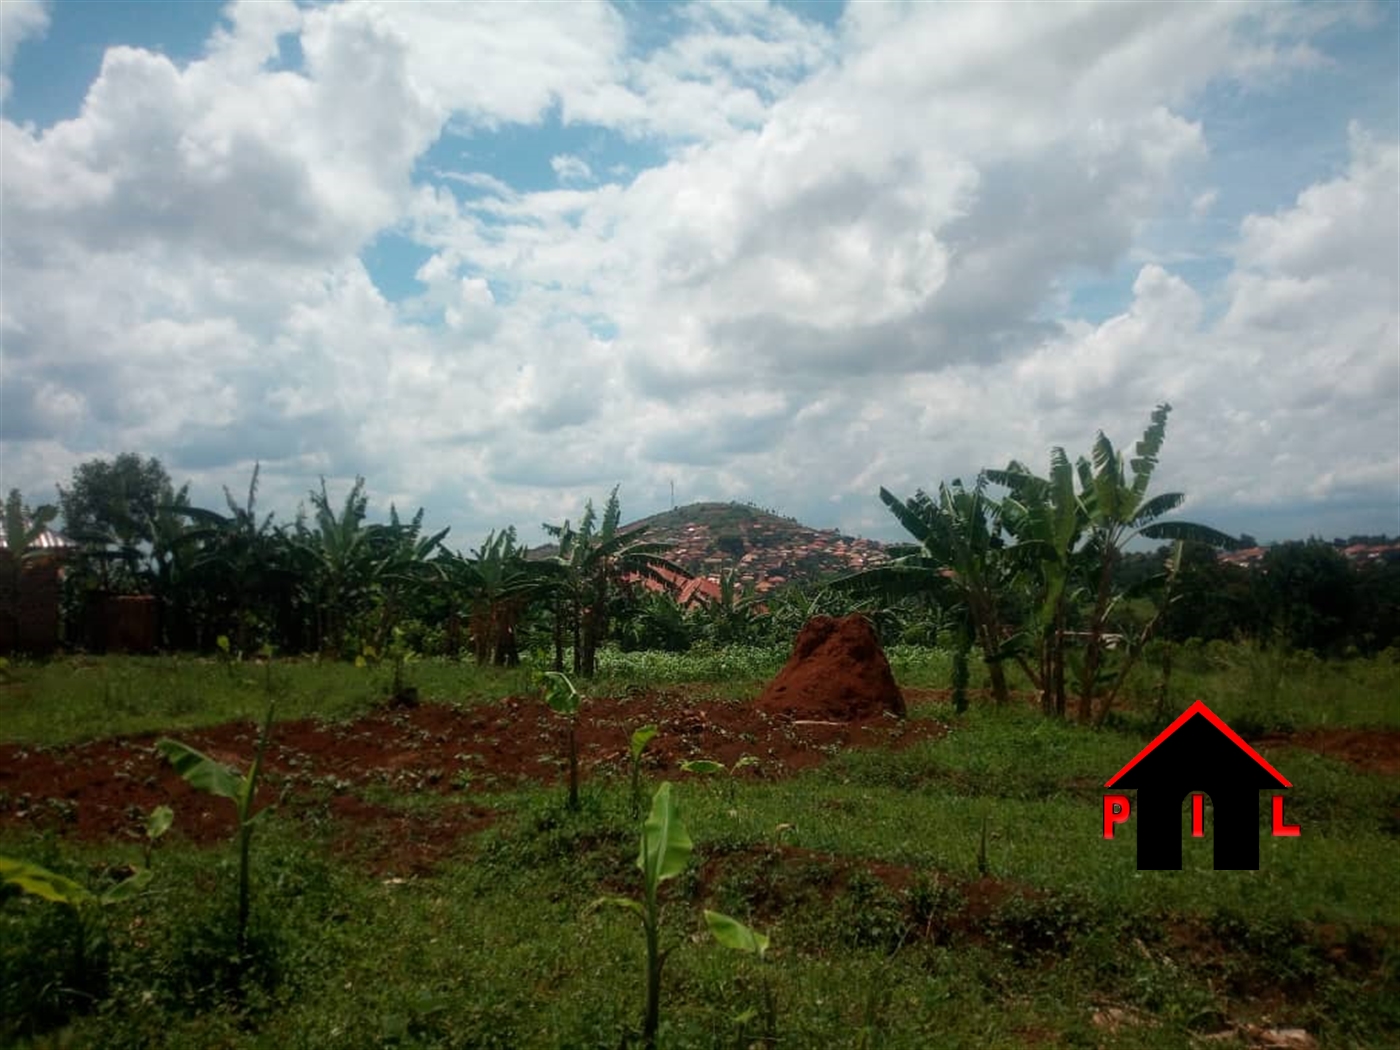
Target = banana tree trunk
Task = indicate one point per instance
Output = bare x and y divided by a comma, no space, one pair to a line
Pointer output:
558,636
1093,651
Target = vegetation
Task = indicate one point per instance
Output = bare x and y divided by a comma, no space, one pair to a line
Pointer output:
590,563
932,894
206,774
664,853
564,700
1036,572
23,526
865,872
1049,553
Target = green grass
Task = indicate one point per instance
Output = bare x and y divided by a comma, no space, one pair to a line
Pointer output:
1276,688
499,946
67,700
70,699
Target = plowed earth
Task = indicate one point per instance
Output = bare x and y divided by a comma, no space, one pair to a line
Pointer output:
320,770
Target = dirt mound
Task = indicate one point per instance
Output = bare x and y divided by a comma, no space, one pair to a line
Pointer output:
837,671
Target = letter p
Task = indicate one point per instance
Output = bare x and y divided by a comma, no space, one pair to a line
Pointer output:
1115,811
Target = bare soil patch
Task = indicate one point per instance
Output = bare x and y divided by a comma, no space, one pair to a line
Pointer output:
1369,750
103,789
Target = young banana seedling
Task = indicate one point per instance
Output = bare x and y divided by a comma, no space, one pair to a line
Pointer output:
206,774
640,739
41,882
665,852
735,935
709,767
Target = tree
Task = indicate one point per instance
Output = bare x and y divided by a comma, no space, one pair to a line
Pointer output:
404,568
1047,518
24,526
240,555
729,616
1307,592
495,585
589,564
959,550
656,620
114,496
1214,599
1116,510
172,560
339,562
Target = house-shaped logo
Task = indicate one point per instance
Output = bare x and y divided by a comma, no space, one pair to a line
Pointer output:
1197,755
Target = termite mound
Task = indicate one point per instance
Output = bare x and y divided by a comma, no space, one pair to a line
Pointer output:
837,672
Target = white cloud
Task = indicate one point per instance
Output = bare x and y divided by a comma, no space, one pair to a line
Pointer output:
569,168
843,274
20,20
1349,222
1203,202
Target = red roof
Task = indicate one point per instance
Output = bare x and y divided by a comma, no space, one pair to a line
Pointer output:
687,591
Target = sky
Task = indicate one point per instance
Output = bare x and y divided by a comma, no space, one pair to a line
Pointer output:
498,258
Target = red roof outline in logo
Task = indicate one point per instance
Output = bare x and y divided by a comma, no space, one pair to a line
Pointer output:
1199,708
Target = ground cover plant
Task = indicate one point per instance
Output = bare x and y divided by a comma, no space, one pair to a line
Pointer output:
936,880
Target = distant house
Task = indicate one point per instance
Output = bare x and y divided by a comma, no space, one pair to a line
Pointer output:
1246,558
1198,753
30,589
686,590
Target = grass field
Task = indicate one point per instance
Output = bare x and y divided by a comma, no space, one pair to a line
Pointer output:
952,891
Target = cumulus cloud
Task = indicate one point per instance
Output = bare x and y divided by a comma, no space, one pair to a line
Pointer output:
842,266
19,20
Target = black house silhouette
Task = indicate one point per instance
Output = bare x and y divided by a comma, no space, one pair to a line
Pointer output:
1198,752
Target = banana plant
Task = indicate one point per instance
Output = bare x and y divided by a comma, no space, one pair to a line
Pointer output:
50,886
665,851
1047,517
961,558
733,934
41,882
564,700
709,767
204,773
590,563
640,739
1117,510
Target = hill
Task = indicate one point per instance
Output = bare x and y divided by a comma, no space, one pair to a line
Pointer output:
768,549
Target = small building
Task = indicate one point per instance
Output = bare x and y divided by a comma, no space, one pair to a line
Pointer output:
30,593
1198,753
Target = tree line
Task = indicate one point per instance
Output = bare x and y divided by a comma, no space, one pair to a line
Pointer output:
1026,570
329,581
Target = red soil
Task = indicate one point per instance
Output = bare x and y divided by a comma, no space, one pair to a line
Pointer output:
317,770
837,671
1369,750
